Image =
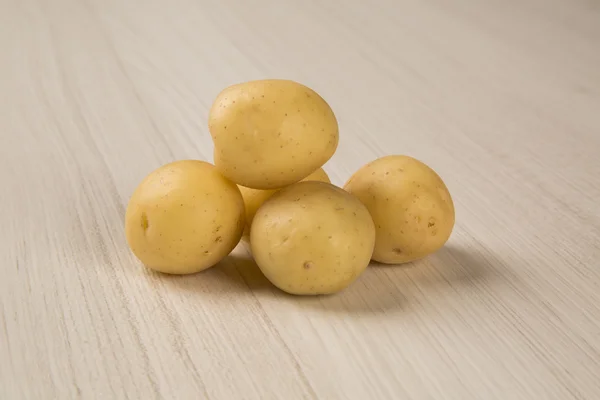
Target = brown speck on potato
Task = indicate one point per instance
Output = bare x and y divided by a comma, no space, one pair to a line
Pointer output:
144,222
307,265
218,239
397,250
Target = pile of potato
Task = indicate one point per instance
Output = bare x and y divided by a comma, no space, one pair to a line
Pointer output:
267,188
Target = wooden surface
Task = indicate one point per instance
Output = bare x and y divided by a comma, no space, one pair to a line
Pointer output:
501,97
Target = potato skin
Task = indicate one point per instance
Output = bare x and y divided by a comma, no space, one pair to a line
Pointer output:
271,133
312,238
184,217
410,205
254,198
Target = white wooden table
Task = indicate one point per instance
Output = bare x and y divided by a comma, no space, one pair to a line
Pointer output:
501,97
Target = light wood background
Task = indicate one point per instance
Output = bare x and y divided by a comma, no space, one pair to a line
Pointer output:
501,97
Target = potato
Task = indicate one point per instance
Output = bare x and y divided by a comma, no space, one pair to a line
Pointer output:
410,205
271,133
312,238
184,217
254,198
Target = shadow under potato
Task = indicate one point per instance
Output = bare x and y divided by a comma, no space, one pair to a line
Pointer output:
236,273
381,288
222,279
449,265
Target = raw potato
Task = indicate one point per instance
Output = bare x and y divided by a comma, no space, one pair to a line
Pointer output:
254,198
184,217
312,238
410,205
271,133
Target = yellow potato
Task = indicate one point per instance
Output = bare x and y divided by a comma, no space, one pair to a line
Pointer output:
410,205
184,217
312,238
254,198
271,133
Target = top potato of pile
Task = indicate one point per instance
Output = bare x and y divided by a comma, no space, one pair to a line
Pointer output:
271,133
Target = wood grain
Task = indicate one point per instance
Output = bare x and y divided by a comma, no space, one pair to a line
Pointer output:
501,97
